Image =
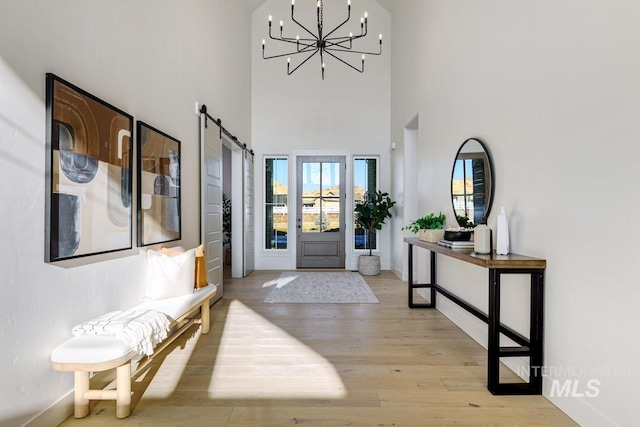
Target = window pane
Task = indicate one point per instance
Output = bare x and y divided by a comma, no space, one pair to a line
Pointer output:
464,190
321,197
276,196
365,181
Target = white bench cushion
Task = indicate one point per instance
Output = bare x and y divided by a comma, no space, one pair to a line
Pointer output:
93,350
177,306
106,352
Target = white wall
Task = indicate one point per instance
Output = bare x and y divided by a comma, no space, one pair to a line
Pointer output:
552,88
152,62
346,114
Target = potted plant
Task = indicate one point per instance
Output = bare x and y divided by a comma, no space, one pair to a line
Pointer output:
429,228
226,227
371,213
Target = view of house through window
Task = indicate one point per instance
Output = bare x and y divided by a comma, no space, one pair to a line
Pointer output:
321,197
365,181
468,188
276,213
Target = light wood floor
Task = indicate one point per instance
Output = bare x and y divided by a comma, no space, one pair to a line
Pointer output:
322,365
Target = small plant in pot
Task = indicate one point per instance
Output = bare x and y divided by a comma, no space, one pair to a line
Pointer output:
370,214
429,228
463,232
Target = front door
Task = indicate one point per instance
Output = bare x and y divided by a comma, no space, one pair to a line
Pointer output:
320,212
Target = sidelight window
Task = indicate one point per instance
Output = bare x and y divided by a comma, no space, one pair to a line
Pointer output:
276,180
365,181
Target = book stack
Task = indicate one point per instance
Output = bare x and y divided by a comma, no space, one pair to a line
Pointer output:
454,244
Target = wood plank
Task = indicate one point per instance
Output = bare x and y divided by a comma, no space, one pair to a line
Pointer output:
323,364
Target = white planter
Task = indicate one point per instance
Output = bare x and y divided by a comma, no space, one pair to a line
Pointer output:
369,265
431,236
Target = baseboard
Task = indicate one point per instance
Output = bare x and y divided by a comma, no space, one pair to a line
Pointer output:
55,414
398,272
579,410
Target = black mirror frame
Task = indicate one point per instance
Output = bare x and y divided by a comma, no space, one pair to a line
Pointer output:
491,177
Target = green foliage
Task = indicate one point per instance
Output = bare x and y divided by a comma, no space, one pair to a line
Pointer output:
226,219
427,222
372,212
464,221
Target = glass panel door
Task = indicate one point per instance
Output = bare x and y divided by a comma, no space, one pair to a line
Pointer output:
320,212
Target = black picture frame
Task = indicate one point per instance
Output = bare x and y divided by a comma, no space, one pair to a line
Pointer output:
88,174
159,186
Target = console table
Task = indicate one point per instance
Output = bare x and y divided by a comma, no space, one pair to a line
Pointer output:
497,265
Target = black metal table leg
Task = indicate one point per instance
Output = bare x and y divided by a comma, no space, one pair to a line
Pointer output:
493,350
433,280
536,325
412,286
410,275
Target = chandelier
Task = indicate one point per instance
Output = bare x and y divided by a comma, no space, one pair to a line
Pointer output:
324,43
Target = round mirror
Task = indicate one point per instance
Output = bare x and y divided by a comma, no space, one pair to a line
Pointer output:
472,183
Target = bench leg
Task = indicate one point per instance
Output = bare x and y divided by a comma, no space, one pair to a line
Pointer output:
81,403
205,317
123,391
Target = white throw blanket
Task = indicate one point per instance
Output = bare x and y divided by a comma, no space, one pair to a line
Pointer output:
141,329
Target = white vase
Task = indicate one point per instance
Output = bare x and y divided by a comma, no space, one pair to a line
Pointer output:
431,235
502,233
482,239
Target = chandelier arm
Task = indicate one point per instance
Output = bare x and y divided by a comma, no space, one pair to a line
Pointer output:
292,40
354,51
289,39
339,41
306,50
331,43
345,62
344,38
302,26
302,63
311,43
344,22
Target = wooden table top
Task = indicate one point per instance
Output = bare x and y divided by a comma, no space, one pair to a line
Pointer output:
491,260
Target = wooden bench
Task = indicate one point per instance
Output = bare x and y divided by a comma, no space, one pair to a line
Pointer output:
94,353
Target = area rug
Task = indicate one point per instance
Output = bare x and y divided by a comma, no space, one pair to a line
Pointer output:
312,287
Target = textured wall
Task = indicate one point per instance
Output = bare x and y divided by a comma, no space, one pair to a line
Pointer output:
552,88
152,62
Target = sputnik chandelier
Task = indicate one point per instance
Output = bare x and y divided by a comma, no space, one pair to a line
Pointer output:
321,42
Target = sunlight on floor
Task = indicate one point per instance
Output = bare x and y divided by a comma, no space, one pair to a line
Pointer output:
166,380
276,365
279,282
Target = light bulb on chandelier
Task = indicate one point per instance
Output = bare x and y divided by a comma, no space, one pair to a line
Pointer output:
321,43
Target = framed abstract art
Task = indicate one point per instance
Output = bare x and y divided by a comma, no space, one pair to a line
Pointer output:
88,174
159,191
